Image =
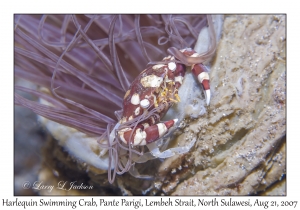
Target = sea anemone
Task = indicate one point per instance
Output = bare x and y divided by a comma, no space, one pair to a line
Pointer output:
83,65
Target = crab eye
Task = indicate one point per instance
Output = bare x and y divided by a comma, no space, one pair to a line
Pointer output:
172,66
145,103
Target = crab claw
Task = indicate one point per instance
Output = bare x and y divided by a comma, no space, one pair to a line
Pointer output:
207,96
200,71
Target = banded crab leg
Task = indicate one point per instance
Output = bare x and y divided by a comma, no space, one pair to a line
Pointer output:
201,73
156,153
143,134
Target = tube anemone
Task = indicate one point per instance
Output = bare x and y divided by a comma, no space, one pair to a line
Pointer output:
84,64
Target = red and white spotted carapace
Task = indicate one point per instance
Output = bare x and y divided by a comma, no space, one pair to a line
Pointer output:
158,84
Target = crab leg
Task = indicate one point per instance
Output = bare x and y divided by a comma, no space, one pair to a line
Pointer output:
145,135
200,71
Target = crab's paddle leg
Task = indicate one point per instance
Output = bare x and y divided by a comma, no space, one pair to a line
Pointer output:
156,153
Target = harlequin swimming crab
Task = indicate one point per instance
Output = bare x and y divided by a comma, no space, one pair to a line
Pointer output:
158,84
147,100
